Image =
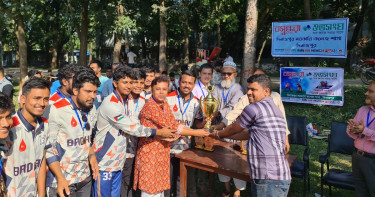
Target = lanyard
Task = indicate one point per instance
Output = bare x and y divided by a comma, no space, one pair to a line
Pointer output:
136,106
60,94
199,83
225,97
79,119
157,103
368,117
179,104
1,168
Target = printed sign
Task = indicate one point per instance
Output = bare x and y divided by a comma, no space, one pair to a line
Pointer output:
313,85
314,38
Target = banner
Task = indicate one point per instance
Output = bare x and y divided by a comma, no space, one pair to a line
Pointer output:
314,38
312,85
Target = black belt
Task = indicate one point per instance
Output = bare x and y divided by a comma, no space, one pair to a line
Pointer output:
364,154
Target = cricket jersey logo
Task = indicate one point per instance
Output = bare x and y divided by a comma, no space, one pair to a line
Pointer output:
73,122
175,108
22,146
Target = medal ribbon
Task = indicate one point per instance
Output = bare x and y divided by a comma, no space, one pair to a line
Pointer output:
225,97
368,117
199,83
79,119
179,104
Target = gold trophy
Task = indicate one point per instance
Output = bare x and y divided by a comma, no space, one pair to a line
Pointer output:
209,106
244,147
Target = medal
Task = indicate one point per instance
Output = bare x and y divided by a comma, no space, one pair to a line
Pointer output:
3,192
84,140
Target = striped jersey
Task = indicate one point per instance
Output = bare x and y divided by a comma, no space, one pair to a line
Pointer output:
115,123
23,151
134,107
184,112
69,141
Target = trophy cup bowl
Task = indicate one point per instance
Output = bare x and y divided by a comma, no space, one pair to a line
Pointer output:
209,105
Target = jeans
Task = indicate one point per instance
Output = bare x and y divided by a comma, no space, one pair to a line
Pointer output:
269,188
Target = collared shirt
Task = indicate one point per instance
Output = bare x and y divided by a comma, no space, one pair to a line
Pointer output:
190,110
267,138
146,95
114,121
234,95
135,106
23,150
366,140
102,80
200,90
232,116
107,88
69,142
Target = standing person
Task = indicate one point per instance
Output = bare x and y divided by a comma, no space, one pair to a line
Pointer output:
152,170
56,83
186,109
363,158
24,148
132,57
97,66
232,116
69,152
269,169
216,76
173,82
109,73
115,124
229,93
135,104
108,85
6,86
228,58
205,76
150,76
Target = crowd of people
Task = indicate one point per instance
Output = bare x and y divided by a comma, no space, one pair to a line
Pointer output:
89,135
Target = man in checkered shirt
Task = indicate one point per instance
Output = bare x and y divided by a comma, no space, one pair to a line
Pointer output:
115,124
69,152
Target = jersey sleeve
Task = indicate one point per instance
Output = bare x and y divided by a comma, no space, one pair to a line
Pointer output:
52,153
128,124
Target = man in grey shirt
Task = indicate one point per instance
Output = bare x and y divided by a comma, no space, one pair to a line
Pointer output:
6,86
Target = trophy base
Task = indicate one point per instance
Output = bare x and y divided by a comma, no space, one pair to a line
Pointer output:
209,149
199,147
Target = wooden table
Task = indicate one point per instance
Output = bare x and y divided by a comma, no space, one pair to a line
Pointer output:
224,160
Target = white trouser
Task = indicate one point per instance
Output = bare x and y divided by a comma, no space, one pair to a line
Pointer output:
145,194
240,184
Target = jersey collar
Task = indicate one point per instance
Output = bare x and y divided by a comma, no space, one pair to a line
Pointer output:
62,94
28,126
183,100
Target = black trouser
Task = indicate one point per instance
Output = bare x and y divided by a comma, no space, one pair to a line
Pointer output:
364,175
174,177
128,178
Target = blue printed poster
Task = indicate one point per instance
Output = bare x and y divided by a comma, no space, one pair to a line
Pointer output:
313,38
312,85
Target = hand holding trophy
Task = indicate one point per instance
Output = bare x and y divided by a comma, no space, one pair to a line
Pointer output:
209,105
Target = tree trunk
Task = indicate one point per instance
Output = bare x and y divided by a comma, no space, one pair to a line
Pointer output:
90,57
118,37
163,41
22,47
308,17
218,29
1,50
186,34
83,33
250,38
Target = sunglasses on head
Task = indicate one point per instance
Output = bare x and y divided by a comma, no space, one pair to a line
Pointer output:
229,74
84,119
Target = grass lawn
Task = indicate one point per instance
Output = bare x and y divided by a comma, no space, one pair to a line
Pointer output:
320,116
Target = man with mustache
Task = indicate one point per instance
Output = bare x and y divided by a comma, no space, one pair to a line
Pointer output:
69,152
362,130
25,164
229,93
186,109
245,101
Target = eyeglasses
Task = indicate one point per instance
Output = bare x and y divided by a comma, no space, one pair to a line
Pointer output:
84,119
229,74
